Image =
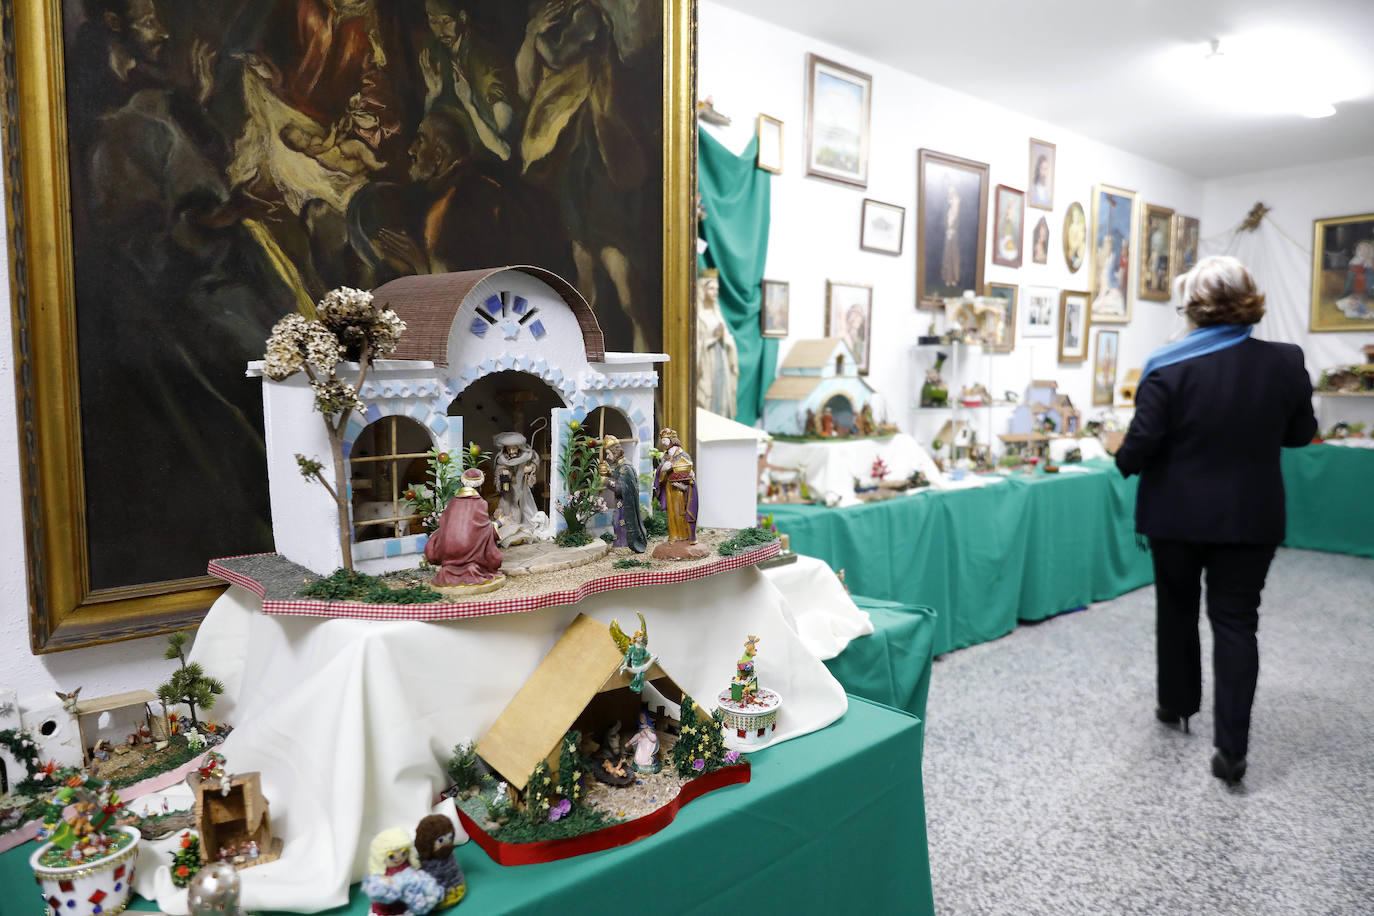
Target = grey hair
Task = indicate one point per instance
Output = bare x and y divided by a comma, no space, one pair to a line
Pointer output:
1219,290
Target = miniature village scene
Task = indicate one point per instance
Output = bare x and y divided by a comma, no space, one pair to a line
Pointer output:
461,439
819,394
624,744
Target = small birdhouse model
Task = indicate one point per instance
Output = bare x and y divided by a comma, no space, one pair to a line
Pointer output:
817,376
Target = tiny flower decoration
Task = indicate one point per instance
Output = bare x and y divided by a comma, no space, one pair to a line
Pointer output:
559,810
698,764
731,756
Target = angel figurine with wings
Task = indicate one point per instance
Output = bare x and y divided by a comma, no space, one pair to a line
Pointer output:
638,660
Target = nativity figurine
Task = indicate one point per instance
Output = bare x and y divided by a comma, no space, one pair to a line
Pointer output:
464,545
645,745
675,493
518,519
637,657
717,354
434,840
622,486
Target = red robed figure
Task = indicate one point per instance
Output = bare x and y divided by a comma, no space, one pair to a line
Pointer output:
464,548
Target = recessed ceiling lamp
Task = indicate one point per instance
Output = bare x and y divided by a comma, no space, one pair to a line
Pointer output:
1281,73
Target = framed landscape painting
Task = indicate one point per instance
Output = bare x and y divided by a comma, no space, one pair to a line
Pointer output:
179,182
881,227
838,103
849,314
1343,273
774,314
1104,368
1156,264
1113,247
951,226
1009,229
1075,319
1185,244
1006,293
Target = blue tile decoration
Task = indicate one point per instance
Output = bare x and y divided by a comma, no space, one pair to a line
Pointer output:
537,329
478,327
637,417
521,303
494,305
438,424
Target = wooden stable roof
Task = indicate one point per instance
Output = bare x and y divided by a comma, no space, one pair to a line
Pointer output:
427,303
814,353
792,387
116,701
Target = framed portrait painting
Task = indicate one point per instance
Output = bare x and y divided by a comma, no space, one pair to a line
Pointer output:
1075,318
1104,368
1040,241
774,314
1038,309
849,314
1008,227
1185,244
769,156
1075,237
881,227
838,102
951,226
1156,263
1113,248
179,183
1343,273
1041,192
1005,293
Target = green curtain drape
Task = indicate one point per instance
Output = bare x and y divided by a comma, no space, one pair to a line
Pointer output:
735,194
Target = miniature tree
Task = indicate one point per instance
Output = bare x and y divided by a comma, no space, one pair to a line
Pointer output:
186,860
347,326
189,684
691,728
577,464
568,785
462,766
539,793
445,480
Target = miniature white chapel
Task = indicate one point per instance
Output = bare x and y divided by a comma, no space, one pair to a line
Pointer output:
508,352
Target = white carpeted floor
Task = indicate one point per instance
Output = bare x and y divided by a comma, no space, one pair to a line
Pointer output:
1050,787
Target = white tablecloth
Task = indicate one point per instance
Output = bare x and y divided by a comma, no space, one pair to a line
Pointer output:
823,614
351,721
831,466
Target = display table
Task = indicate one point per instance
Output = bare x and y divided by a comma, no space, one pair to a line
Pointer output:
1330,495
830,466
1024,548
892,666
830,818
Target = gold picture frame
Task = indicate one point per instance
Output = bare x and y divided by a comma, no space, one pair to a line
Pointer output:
938,218
1156,272
1115,227
769,155
64,610
849,316
1343,273
840,152
1075,324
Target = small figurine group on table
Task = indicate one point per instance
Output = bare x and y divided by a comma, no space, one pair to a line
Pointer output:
419,876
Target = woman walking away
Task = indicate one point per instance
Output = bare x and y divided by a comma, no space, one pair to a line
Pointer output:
1212,412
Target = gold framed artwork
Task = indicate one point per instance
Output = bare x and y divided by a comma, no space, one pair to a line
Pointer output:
1113,249
881,227
1186,240
769,156
1075,237
1006,294
1041,193
1009,226
1156,262
773,317
839,100
1343,273
1075,320
1104,367
849,315
176,186
951,226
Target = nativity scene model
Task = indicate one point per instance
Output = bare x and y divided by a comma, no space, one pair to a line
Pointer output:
456,444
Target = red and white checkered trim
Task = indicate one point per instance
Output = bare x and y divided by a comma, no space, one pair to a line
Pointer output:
488,607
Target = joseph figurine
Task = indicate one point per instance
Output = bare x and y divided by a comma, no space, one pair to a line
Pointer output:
619,479
675,488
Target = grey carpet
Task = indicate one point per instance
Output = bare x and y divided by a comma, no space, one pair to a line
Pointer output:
1050,787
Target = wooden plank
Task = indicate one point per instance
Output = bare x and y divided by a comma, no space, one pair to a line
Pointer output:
114,701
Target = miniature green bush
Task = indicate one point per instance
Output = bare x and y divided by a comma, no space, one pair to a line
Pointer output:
747,539
656,525
462,766
349,585
631,563
570,538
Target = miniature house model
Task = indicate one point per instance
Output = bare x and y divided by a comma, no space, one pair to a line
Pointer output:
1044,403
579,686
230,820
958,436
817,375
484,352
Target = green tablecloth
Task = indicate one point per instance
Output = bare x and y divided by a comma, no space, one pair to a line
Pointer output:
830,820
1330,493
891,666
1023,549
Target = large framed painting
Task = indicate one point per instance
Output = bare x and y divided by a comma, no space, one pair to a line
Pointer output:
180,175
951,226
849,314
838,102
1157,262
1113,247
1186,232
1005,294
1343,273
1010,226
1104,367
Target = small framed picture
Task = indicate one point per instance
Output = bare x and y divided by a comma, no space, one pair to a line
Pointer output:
769,156
838,102
1343,273
1007,227
1185,244
1041,175
1006,337
1038,310
1074,320
882,227
1104,368
1156,267
1075,236
773,315
1040,241
849,314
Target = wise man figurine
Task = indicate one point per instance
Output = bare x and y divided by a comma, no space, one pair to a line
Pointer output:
675,492
622,485
464,546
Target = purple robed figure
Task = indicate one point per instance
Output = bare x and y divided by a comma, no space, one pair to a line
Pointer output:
675,488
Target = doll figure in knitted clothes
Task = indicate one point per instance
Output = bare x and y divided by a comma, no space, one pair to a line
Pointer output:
464,547
394,882
434,844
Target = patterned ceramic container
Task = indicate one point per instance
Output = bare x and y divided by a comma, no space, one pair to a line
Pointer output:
100,887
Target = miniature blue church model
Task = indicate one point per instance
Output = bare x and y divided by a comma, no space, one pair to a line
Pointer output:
817,375
485,352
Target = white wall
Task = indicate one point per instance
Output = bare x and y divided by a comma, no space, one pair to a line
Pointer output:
750,66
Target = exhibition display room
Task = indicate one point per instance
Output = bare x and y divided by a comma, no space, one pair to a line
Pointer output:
505,460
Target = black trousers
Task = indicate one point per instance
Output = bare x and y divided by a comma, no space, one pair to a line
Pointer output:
1235,578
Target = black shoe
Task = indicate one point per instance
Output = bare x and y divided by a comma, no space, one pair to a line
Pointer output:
1227,767
1172,719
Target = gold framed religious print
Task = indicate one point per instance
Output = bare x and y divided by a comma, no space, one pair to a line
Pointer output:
1041,193
1104,368
1075,237
179,183
1006,295
1113,253
1156,262
849,315
951,226
773,317
1343,273
1186,232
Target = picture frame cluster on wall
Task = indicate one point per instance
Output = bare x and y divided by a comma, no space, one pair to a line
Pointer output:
839,102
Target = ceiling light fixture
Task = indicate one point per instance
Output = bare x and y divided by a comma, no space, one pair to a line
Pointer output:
1279,72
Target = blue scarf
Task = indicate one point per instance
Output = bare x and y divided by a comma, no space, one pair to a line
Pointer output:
1198,343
